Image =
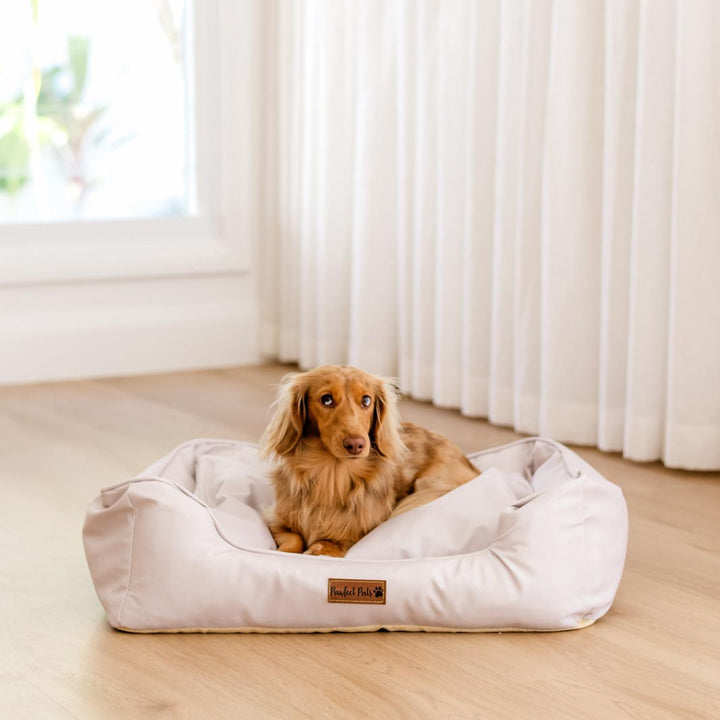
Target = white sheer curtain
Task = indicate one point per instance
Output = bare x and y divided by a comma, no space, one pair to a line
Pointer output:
513,206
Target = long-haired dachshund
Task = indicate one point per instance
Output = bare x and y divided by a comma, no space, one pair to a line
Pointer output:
346,462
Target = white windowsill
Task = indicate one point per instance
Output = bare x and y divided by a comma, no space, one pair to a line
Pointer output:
94,251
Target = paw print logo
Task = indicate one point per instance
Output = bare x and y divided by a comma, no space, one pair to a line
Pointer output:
378,591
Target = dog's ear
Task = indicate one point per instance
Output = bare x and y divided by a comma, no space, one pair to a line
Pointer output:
385,433
285,429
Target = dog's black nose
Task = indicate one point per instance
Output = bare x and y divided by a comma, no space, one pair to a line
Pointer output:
354,445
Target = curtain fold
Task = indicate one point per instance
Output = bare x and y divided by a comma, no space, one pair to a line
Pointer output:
514,207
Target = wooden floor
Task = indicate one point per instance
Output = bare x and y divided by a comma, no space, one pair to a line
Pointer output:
655,655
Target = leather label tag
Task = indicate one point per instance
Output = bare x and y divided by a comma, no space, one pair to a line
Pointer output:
367,592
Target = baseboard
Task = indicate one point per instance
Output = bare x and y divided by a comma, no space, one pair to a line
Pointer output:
127,341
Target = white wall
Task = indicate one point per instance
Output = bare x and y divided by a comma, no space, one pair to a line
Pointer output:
91,329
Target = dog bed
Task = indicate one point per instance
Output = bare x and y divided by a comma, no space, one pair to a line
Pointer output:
535,542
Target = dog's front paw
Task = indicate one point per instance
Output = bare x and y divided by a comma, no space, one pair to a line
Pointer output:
287,540
325,547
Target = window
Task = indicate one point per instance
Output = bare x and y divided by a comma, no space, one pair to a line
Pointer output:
171,162
96,117
144,262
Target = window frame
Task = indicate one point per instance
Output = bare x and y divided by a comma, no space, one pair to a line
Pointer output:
214,241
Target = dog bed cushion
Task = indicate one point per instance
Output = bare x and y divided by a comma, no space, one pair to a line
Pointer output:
535,542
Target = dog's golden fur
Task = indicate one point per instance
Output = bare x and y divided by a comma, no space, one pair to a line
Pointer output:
346,462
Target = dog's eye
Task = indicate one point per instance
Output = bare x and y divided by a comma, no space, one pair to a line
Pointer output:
327,400
366,401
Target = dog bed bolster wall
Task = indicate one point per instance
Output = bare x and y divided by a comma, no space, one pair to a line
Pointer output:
535,542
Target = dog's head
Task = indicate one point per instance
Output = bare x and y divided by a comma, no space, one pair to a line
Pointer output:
353,413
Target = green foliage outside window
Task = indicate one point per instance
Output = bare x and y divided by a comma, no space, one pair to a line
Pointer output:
49,113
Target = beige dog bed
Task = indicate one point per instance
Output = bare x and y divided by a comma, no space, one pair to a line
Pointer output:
537,542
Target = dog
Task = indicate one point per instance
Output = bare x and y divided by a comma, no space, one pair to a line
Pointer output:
345,462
